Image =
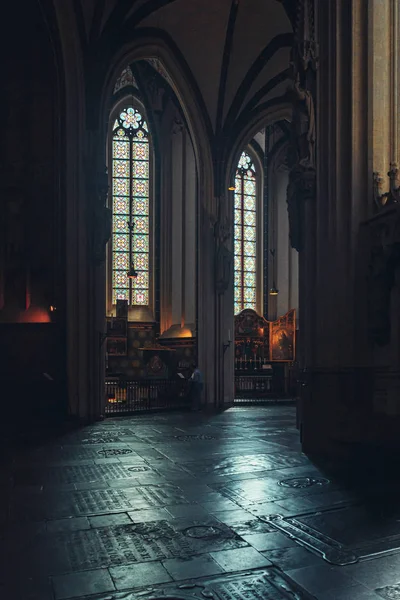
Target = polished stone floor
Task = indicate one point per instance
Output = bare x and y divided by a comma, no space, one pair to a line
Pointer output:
189,506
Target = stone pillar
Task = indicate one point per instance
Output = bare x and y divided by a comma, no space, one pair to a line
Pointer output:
177,199
380,103
178,317
166,221
190,237
207,303
286,257
335,381
99,219
76,231
223,282
87,229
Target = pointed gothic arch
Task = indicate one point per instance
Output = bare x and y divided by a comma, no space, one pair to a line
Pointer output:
131,174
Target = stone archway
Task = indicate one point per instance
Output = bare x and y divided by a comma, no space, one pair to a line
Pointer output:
206,329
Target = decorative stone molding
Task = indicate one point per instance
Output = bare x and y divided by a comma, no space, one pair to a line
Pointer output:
302,177
305,52
393,195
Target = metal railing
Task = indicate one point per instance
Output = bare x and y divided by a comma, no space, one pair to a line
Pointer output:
136,395
259,388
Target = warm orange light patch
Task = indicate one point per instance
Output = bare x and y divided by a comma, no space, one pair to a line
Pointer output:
185,332
34,315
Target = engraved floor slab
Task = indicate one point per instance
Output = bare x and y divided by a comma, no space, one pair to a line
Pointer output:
72,453
88,502
127,499
125,544
157,495
245,464
92,502
72,474
271,489
363,531
265,584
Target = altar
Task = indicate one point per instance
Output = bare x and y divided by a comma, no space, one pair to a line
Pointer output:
264,354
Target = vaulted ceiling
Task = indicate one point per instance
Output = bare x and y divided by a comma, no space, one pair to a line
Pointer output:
237,51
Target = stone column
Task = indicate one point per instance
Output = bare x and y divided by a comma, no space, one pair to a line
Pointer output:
179,237
177,198
334,390
207,302
87,228
190,237
166,221
223,289
286,257
76,231
99,219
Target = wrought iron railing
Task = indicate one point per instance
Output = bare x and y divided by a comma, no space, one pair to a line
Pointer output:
249,388
135,395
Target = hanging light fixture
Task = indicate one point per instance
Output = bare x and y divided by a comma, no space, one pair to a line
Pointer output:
274,290
132,274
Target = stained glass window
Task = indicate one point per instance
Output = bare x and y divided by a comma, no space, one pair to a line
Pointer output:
131,207
245,235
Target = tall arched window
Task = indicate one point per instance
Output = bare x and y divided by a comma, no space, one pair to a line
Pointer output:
245,249
131,208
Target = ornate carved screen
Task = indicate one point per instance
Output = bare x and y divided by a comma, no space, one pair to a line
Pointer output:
258,341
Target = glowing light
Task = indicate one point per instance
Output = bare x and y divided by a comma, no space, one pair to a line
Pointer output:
185,332
34,315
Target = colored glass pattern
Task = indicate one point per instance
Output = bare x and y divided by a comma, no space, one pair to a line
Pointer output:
245,235
131,204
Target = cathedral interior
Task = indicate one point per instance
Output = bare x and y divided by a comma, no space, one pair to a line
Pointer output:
199,300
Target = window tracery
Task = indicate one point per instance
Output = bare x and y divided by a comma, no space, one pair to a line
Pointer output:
245,235
131,208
